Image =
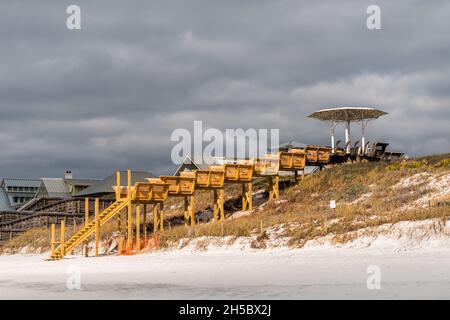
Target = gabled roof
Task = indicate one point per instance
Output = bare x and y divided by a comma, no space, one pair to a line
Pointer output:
289,145
105,186
5,205
54,188
197,164
18,182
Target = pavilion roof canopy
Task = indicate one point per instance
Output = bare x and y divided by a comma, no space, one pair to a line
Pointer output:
344,114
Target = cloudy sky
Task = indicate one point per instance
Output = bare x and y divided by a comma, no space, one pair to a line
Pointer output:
108,96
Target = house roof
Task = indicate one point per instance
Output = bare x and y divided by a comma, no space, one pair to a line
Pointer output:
106,185
196,163
55,187
17,182
81,182
290,144
5,205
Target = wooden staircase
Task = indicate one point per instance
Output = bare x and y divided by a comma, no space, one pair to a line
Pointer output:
82,235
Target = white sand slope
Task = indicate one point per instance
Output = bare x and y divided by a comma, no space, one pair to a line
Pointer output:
315,272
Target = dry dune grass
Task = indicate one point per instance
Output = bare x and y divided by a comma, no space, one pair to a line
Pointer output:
364,193
367,194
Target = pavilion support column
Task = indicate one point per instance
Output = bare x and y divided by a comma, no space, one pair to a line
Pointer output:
333,125
363,136
347,137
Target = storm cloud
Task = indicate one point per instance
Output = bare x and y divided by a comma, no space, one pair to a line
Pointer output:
108,96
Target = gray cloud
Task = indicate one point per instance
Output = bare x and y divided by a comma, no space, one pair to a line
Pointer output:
109,96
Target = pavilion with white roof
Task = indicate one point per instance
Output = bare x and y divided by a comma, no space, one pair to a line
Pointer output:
347,115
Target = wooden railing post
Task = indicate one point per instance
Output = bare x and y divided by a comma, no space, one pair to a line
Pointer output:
118,185
145,223
63,237
53,240
161,216
86,222
155,217
138,227
129,215
97,226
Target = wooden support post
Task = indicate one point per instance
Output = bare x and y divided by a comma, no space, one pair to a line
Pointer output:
271,188
244,197
192,210
119,215
277,187
63,237
189,213
145,223
155,217
219,200
129,215
249,196
119,223
138,227
186,211
216,204
274,187
161,216
247,201
53,240
86,222
222,204
97,226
